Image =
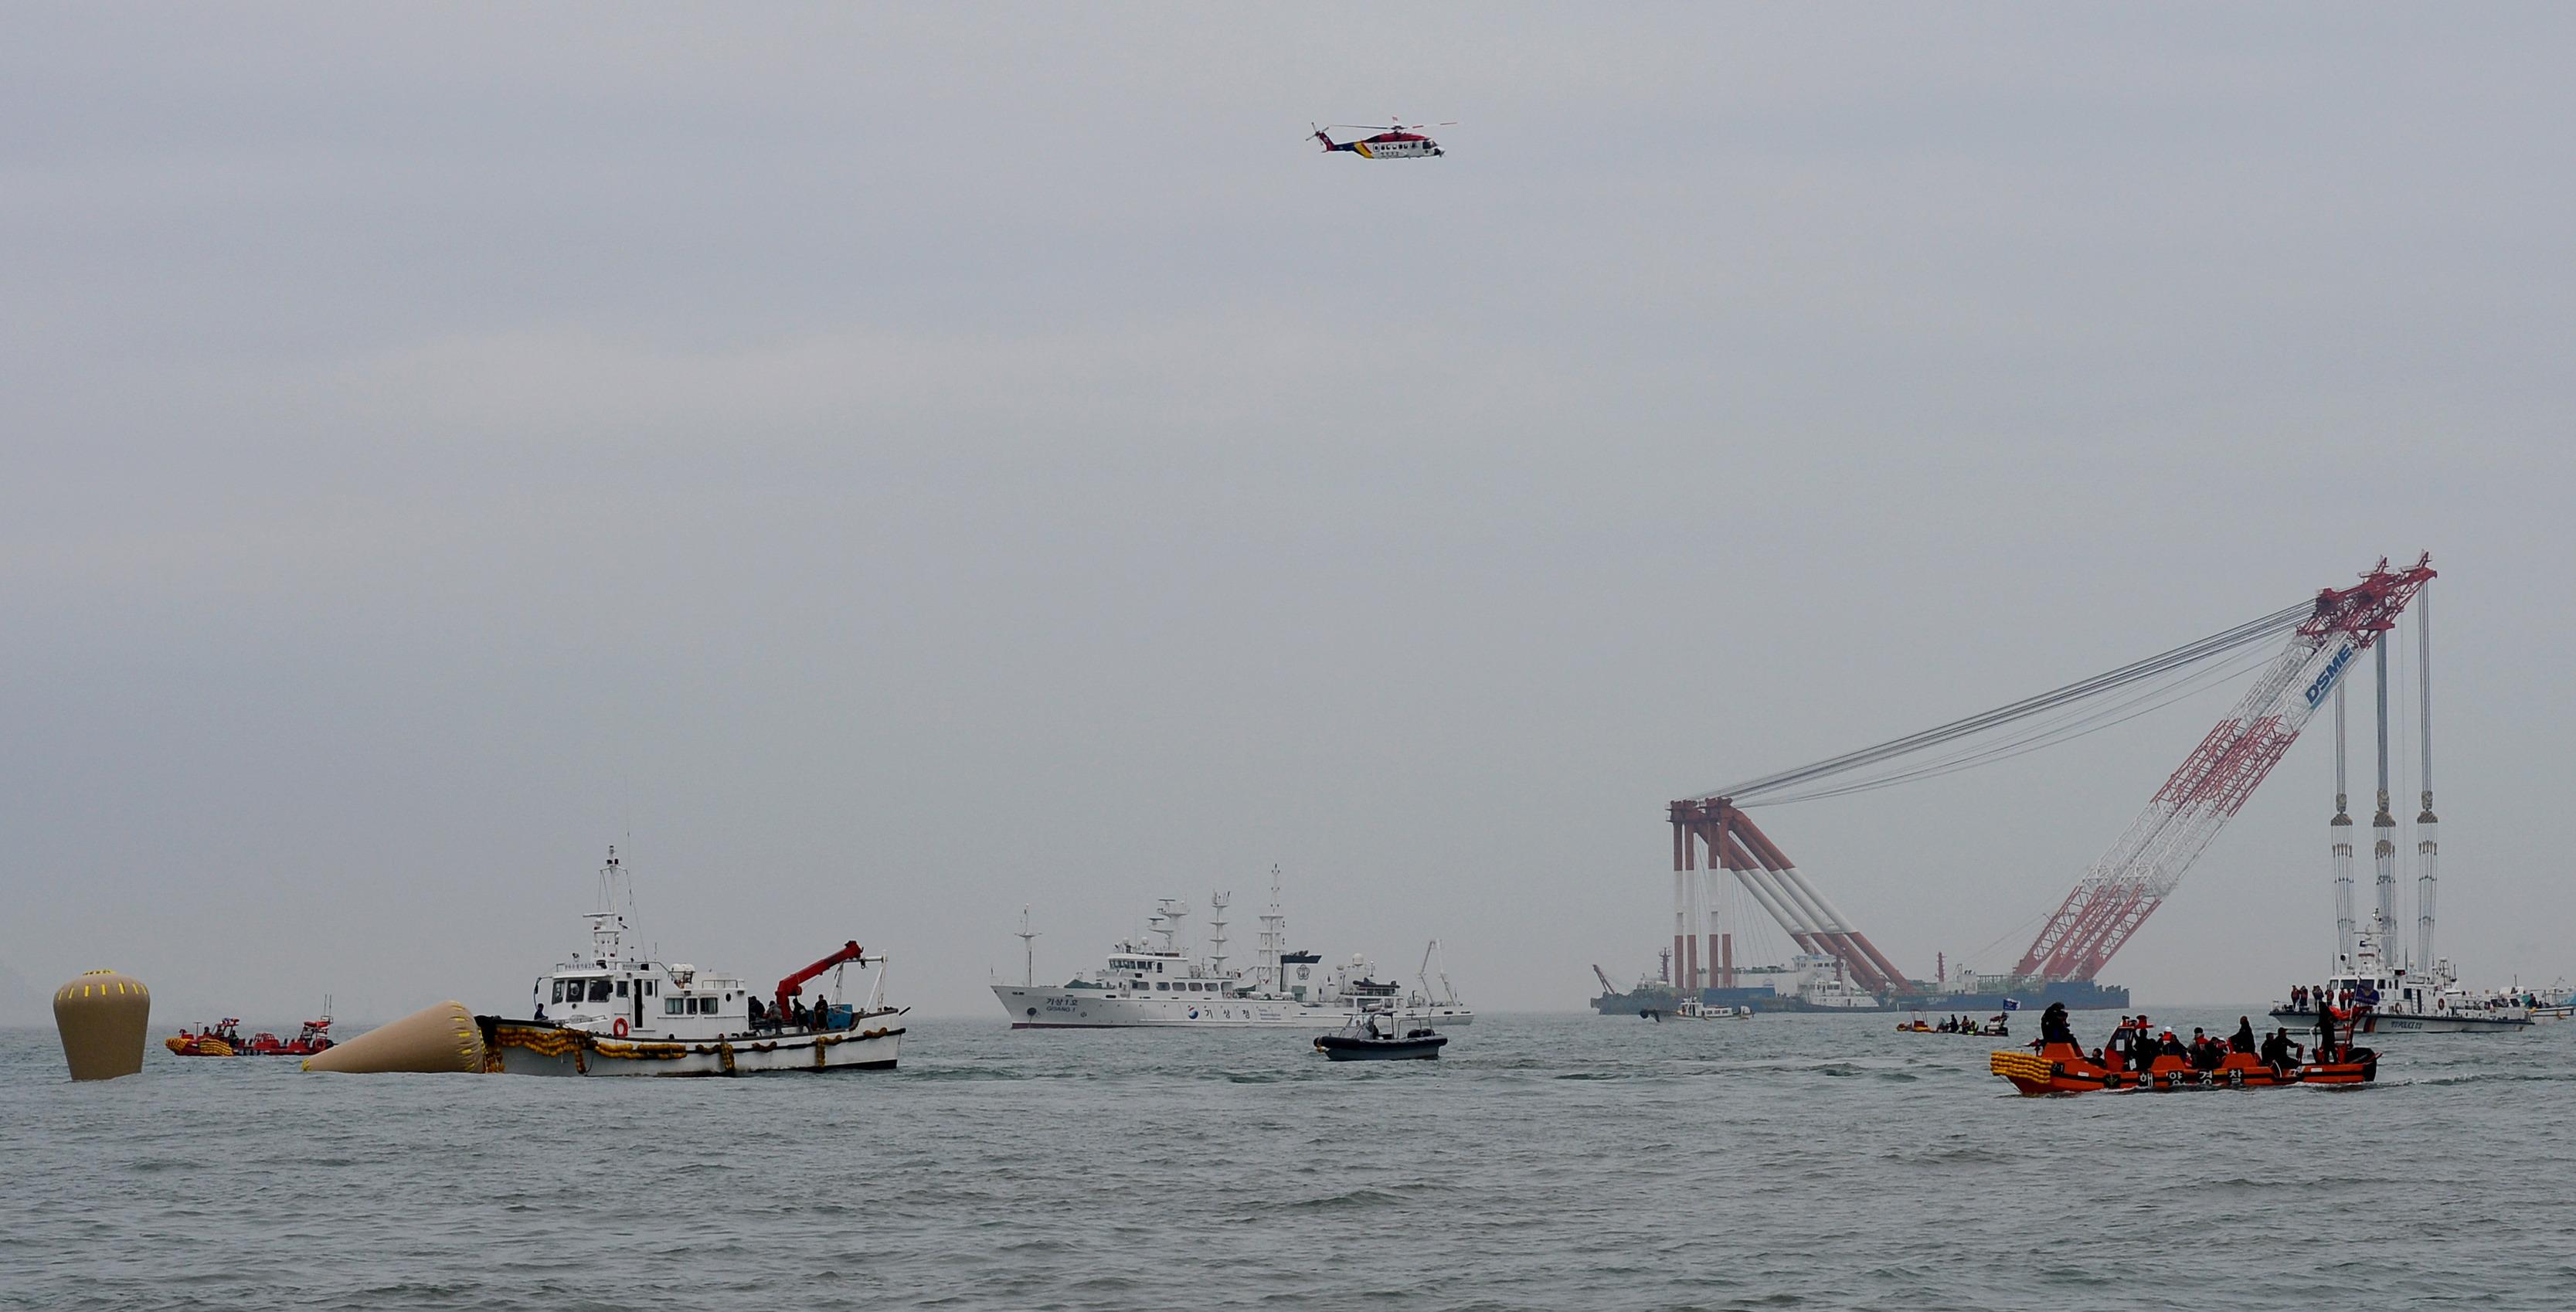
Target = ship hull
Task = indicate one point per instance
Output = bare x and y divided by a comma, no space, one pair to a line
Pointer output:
2078,996
1042,1008
1636,1003
2401,1023
533,1048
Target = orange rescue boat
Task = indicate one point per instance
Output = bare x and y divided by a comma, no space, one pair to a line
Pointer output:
2064,1068
223,1040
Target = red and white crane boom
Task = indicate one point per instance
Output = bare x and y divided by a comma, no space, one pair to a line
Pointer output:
2119,891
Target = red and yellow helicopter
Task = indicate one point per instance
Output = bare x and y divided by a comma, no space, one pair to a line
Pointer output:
1393,141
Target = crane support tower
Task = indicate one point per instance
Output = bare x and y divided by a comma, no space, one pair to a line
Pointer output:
2118,892
1739,847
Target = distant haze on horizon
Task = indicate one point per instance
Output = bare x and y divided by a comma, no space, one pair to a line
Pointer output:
882,467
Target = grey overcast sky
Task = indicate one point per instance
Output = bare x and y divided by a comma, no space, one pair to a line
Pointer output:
883,466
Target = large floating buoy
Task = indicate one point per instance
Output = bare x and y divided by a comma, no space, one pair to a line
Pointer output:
103,1016
428,1041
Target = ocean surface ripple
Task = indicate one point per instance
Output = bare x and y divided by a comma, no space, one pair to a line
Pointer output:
1544,1162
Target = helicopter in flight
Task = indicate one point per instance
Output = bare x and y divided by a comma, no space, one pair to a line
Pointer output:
1393,141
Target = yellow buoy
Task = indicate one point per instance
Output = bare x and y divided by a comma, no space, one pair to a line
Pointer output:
433,1039
103,1016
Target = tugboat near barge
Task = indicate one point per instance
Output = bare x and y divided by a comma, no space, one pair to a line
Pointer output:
613,1014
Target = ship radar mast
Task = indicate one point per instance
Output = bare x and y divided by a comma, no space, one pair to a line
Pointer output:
1274,941
1216,933
1166,921
1028,950
608,924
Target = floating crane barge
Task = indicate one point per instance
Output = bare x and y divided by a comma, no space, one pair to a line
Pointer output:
2117,893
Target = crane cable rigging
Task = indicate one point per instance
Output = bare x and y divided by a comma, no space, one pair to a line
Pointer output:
2169,676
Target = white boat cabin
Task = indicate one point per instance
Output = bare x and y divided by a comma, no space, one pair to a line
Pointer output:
644,999
1142,970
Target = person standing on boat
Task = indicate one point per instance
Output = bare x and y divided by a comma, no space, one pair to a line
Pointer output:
2276,1052
2243,1039
2053,1027
2326,1017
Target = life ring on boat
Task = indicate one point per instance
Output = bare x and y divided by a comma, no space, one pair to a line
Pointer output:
618,1027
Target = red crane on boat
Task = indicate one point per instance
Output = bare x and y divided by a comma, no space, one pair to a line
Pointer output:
794,984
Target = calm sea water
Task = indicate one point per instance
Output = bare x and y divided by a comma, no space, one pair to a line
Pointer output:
1545,1162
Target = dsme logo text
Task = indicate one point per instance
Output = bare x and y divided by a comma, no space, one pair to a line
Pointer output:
2325,682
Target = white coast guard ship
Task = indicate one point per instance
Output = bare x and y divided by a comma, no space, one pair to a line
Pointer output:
1153,983
608,1012
2390,1000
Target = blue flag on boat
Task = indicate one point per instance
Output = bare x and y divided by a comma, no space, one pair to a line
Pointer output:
2012,1004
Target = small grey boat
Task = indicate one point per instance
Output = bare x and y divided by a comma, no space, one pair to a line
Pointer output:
1374,1039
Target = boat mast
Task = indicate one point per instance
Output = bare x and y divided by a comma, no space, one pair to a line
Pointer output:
1166,921
1266,970
1028,950
2427,828
2383,851
1216,932
606,925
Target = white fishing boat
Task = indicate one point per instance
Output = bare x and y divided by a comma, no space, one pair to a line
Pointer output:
608,1012
1153,983
1827,988
2557,1002
1694,1009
